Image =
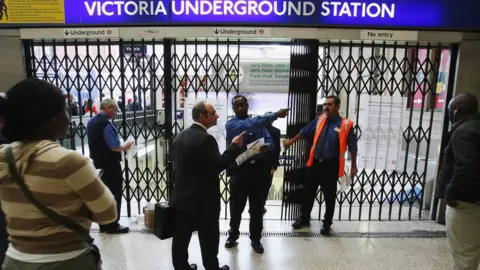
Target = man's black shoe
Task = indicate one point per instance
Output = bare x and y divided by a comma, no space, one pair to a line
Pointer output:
193,266
325,230
119,230
257,247
300,223
225,267
231,242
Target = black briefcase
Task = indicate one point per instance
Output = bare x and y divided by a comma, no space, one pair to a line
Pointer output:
164,224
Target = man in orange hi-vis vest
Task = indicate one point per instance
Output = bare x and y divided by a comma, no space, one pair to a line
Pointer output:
332,135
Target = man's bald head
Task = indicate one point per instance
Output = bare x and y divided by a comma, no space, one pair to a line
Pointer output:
462,106
198,110
204,113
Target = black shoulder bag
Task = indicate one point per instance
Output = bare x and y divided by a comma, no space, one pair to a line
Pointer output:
59,219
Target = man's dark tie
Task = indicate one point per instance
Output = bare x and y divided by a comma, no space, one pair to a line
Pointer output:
321,140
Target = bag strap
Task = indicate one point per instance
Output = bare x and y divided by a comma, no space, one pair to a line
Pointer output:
61,220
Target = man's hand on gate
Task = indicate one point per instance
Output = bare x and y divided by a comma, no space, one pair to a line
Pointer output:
282,113
287,143
353,171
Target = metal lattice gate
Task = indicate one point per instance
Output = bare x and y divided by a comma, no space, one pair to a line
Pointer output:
151,80
156,76
412,77
89,71
302,101
204,69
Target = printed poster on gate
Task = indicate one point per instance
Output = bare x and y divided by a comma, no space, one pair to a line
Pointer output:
381,132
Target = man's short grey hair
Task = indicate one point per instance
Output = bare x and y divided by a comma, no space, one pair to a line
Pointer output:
199,109
108,103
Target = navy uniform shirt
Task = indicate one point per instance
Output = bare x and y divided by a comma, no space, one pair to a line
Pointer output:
255,128
330,147
110,135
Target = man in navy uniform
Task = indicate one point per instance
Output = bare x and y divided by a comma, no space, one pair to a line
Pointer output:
106,153
250,178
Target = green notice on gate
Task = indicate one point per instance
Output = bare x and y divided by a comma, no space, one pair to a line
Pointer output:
268,74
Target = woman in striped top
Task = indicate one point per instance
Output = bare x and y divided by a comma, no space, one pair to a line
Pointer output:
35,116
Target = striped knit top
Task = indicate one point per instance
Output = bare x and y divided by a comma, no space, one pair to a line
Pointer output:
61,179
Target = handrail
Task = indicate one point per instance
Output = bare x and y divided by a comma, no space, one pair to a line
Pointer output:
129,114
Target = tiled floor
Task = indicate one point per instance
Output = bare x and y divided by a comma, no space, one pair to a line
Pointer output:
144,251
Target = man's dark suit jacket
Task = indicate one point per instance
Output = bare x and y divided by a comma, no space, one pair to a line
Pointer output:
274,155
459,173
197,164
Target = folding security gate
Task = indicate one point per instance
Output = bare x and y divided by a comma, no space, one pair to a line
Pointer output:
94,70
156,76
204,69
417,79
302,100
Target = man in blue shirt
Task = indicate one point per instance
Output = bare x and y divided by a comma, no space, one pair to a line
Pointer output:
106,153
249,179
326,162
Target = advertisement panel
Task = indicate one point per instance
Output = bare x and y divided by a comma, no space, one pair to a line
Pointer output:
442,80
441,85
32,11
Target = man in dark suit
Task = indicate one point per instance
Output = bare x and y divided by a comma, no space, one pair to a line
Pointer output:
274,156
196,188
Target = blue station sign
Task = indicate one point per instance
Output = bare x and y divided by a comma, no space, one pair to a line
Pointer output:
408,14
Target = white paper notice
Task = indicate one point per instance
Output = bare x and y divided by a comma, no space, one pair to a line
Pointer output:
381,135
252,149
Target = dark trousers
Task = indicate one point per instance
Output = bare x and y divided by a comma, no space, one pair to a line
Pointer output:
84,261
207,224
267,188
248,181
325,174
113,179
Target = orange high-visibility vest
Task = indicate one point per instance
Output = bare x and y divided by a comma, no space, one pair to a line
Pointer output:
342,135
